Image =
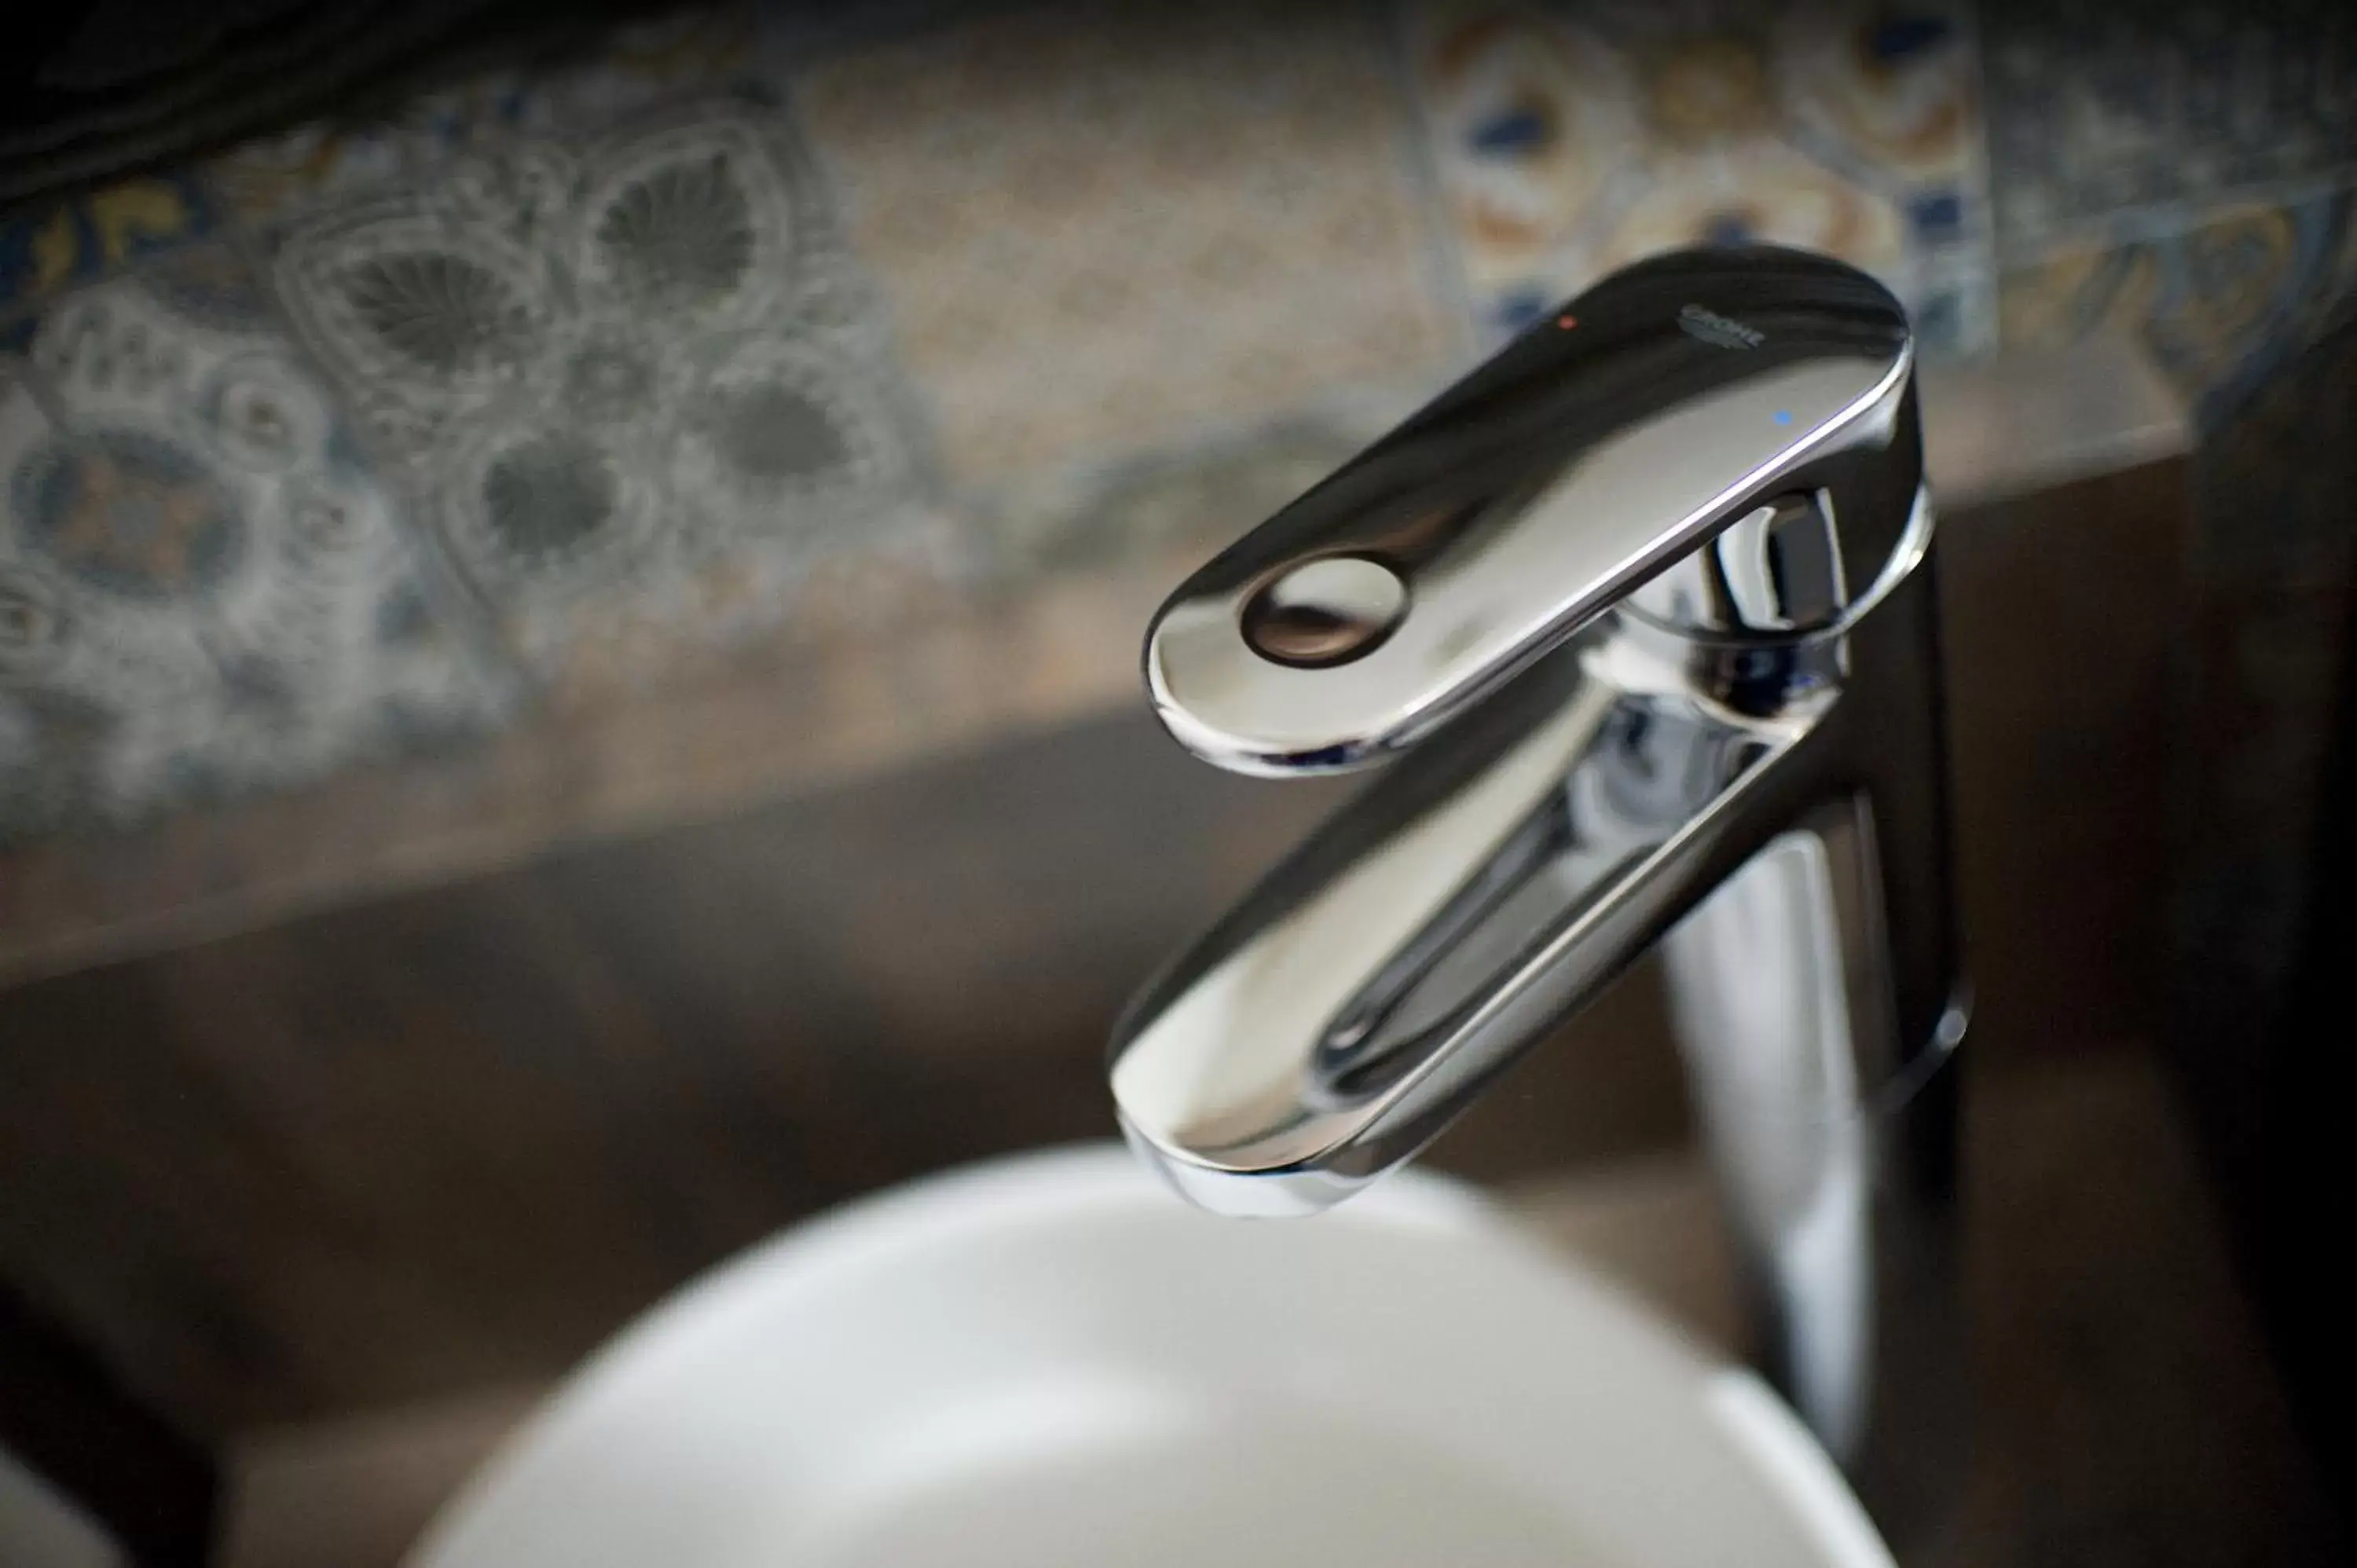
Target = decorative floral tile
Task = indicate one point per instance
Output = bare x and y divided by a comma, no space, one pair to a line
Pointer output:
2220,303
2094,112
692,52
203,587
1571,140
632,381
1106,232
48,247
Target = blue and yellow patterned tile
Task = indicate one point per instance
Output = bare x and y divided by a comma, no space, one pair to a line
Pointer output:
2141,188
637,386
692,52
1116,235
48,247
2133,110
205,589
2220,302
1572,140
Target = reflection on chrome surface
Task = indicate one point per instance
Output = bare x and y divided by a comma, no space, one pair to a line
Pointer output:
1642,618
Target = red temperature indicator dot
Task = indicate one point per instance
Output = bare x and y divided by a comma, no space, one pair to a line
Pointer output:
1566,322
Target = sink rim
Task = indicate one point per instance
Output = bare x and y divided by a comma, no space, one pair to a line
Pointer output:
1067,1190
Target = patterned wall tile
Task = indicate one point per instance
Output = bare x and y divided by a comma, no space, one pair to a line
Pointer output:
204,589
1573,139
692,52
2180,172
2095,111
51,246
640,384
1107,233
2221,297
633,381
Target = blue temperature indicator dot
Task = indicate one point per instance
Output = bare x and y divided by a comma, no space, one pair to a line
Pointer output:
1782,416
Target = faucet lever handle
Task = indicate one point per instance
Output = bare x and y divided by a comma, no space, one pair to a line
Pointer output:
1606,442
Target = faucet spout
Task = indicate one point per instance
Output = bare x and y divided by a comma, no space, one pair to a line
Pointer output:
1475,893
1641,615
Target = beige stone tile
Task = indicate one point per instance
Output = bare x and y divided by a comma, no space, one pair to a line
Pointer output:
1111,230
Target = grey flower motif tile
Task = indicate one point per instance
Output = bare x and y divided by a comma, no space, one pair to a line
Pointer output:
634,382
204,588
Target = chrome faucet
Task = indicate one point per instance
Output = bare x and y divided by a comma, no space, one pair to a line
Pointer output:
1645,608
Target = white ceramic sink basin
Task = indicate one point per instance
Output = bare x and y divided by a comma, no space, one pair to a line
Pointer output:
1051,1361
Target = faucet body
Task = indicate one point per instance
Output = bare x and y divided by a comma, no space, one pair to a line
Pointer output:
1641,615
